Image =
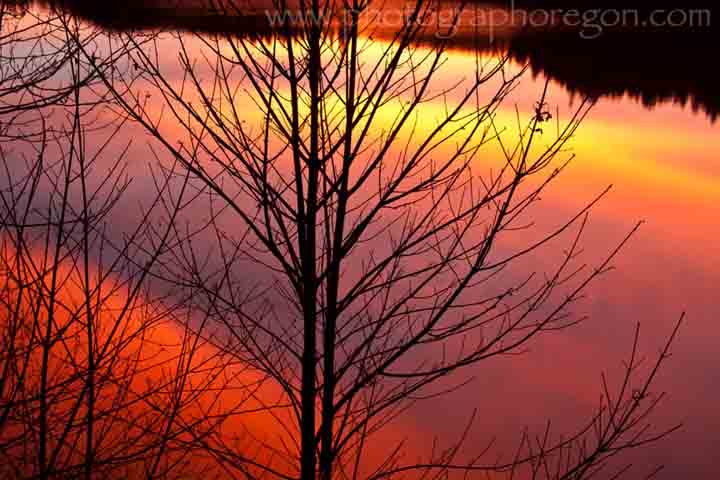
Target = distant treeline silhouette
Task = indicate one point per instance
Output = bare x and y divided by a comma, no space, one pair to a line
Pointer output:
654,65
203,16
651,66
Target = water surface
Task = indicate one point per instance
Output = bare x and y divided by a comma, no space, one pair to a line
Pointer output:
652,135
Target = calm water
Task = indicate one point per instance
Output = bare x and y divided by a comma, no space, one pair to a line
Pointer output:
652,135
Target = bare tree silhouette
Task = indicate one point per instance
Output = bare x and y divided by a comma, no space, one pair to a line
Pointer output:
94,370
322,225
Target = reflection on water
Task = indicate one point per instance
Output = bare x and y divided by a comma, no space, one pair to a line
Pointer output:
666,167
